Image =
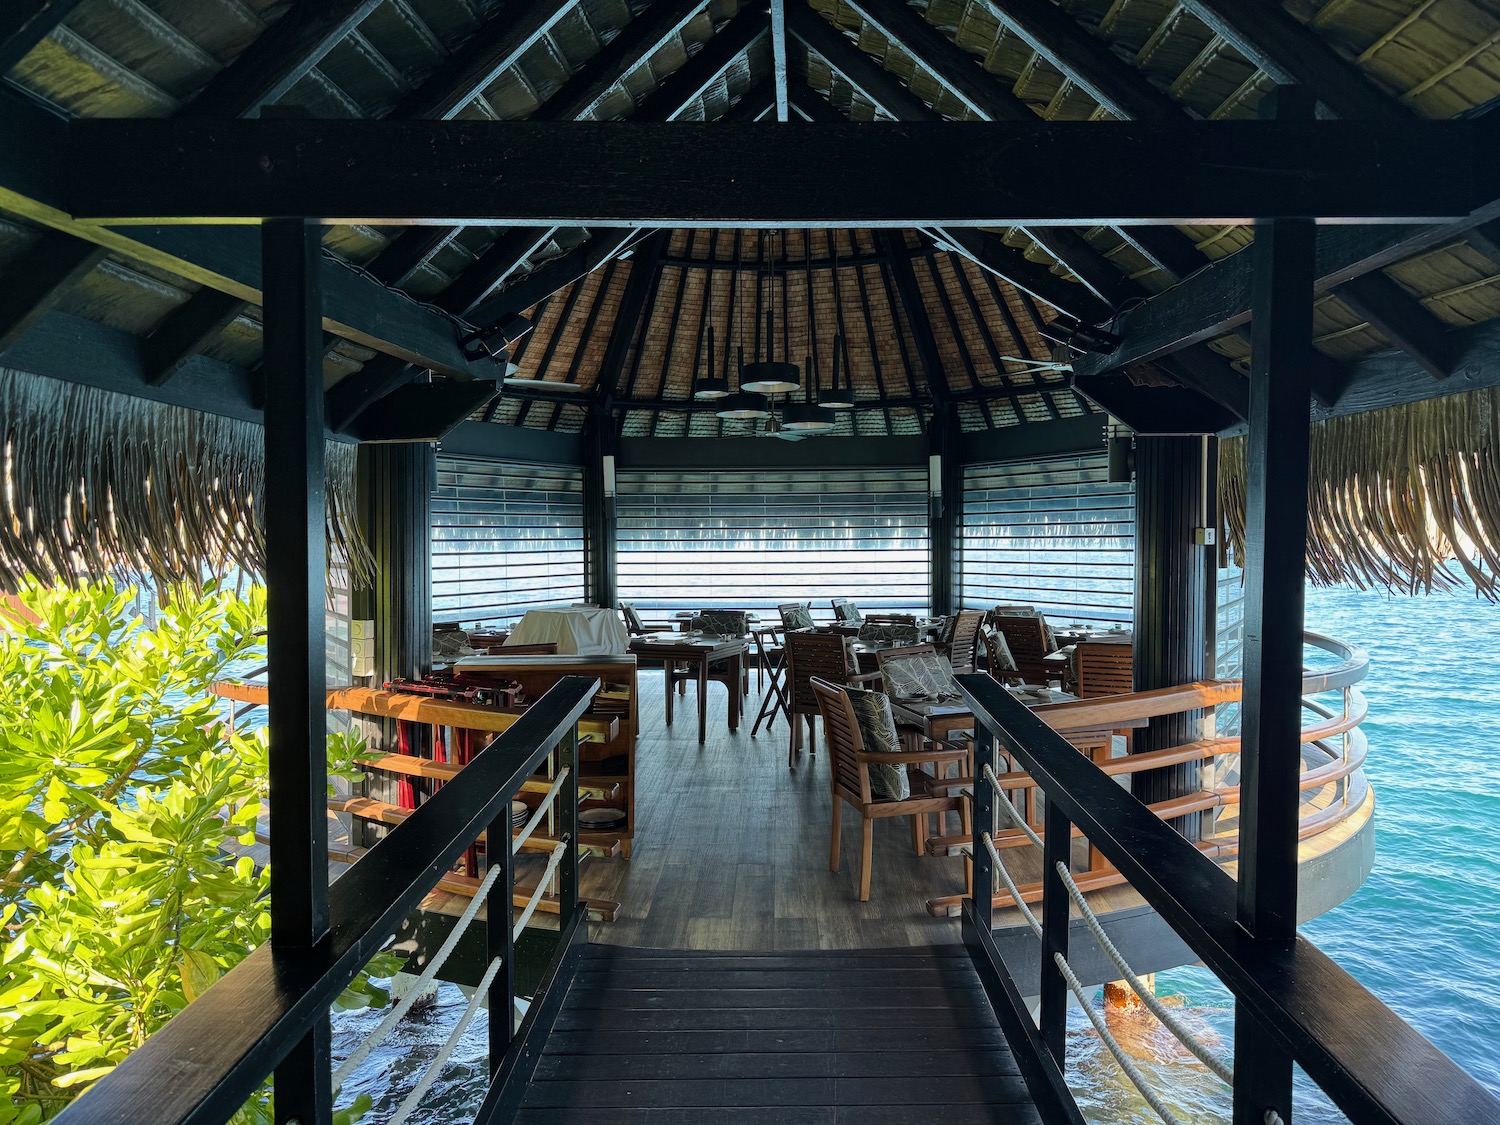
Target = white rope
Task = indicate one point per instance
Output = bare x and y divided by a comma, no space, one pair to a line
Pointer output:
1020,820
436,1066
1136,1077
1158,1009
541,888
378,1036
1010,885
541,810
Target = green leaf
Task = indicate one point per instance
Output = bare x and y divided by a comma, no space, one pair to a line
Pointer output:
199,971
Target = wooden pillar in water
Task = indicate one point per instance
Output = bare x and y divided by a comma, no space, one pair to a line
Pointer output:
1175,487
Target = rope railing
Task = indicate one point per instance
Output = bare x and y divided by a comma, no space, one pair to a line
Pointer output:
1091,920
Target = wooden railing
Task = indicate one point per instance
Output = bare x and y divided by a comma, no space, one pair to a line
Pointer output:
206,1063
1335,749
1373,1064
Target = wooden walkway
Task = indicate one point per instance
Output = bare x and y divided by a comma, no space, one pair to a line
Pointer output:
866,1037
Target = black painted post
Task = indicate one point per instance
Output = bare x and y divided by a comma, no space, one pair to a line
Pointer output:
567,871
296,580
944,509
1056,908
984,821
498,937
1174,600
1276,550
599,512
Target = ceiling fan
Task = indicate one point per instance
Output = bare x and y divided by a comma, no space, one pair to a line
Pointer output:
1061,361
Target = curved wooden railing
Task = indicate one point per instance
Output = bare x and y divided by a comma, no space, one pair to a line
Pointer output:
1335,749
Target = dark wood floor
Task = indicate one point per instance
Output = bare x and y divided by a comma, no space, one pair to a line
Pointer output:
873,1037
731,848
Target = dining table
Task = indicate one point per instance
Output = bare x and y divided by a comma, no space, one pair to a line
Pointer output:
698,651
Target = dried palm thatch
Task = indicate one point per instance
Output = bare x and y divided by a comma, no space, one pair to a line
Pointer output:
96,484
1398,497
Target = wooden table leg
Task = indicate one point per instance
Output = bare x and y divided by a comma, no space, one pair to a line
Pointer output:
737,668
703,698
667,667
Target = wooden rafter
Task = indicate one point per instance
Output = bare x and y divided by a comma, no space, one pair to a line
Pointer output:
186,332
39,279
282,56
25,23
1401,318
1264,32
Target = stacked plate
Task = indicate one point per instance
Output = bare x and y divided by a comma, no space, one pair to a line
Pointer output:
601,818
520,813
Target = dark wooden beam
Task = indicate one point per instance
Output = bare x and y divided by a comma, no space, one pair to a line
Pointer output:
637,41
687,83
186,332
755,103
1217,299
910,295
779,66
1084,58
498,45
1205,371
222,258
714,173
40,278
858,69
989,251
638,288
1486,239
274,63
352,395
1265,33
1401,318
25,23
1096,272
552,276
492,267
1154,410
813,105
423,411
1166,248
945,60
410,249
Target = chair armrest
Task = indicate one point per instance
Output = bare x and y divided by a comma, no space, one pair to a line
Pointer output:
865,678
909,757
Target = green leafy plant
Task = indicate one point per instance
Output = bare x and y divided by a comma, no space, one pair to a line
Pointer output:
125,786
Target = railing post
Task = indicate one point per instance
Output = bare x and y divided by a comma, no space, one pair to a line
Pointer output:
499,941
567,871
1057,848
984,821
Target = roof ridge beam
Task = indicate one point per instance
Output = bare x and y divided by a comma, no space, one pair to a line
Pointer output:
278,59
1085,59
1271,38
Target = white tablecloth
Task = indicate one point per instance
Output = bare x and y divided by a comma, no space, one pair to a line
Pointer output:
581,631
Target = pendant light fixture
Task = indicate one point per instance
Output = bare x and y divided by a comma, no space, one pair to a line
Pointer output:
707,384
768,375
838,395
742,405
807,417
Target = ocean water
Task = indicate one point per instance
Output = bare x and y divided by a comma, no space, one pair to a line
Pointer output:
1423,933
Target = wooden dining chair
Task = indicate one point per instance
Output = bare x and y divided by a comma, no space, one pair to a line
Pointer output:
868,772
1030,641
1103,668
846,612
961,641
722,623
809,655
794,616
999,662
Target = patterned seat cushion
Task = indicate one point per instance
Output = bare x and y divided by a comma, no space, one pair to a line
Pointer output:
794,616
877,728
1000,656
920,676
722,622
872,634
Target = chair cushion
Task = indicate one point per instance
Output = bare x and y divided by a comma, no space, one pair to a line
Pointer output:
872,634
920,676
722,622
795,617
877,728
999,650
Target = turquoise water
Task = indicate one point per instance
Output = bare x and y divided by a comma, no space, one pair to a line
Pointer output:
1421,933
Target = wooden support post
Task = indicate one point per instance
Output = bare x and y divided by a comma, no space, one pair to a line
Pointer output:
944,510
1174,593
1276,549
296,579
599,512
1056,908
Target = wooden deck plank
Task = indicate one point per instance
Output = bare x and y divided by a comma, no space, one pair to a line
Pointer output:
596,1042
775,1064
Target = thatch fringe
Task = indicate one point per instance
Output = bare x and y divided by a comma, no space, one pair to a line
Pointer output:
97,484
1397,498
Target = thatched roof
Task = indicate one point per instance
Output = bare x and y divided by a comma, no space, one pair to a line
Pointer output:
609,59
